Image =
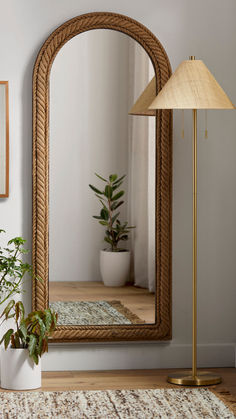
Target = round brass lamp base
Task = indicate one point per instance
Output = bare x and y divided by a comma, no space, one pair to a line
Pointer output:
185,378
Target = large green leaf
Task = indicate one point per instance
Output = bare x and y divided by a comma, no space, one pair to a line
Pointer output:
35,358
32,344
41,324
116,204
20,310
117,196
17,241
35,328
8,308
6,338
48,319
120,179
104,214
102,202
98,217
108,191
115,217
104,223
28,319
112,178
100,177
40,345
95,190
116,186
54,322
100,198
23,329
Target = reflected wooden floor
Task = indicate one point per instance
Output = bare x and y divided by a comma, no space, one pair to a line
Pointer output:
138,300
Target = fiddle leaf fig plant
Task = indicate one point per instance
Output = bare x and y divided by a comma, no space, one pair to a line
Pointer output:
13,269
110,199
30,332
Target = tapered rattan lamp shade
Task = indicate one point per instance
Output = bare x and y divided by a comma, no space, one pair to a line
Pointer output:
145,99
192,86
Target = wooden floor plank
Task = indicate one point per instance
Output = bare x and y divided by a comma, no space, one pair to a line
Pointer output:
124,379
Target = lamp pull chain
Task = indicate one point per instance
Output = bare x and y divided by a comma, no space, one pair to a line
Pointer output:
206,131
182,132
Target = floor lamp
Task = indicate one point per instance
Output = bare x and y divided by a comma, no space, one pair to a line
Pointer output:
192,86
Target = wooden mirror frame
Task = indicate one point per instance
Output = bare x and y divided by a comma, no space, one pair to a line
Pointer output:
161,330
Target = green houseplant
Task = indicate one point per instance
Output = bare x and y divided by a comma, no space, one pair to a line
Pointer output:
13,269
21,359
24,345
115,260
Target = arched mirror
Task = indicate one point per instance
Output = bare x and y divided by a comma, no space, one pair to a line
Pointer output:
102,182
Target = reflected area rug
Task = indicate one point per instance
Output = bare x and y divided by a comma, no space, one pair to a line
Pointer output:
112,404
93,313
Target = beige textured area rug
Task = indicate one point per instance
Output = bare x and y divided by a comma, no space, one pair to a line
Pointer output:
93,313
134,404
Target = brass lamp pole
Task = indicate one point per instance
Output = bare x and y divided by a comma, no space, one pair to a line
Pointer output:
194,346
192,86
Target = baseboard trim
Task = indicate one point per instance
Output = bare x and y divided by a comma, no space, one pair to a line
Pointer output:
137,356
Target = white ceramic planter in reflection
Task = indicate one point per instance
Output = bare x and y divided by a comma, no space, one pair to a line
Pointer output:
114,267
18,372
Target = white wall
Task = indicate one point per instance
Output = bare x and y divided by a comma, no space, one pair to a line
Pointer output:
206,29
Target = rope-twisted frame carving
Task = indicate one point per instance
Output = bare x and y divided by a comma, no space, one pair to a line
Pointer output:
161,330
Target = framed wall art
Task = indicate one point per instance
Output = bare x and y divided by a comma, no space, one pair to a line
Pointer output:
4,140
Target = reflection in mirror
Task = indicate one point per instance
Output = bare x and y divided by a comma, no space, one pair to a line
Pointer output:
95,79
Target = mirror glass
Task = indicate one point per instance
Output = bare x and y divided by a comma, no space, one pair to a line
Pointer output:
95,79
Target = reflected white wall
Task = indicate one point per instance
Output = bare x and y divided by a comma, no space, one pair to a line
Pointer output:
90,87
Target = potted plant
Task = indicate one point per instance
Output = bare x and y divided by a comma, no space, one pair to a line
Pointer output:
115,260
13,269
24,346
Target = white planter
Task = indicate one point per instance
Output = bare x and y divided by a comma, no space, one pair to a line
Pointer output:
18,372
114,267
6,325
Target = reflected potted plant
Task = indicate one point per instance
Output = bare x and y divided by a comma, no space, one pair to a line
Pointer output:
114,260
24,346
